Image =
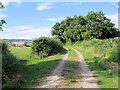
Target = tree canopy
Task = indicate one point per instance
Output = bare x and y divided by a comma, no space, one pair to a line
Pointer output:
93,25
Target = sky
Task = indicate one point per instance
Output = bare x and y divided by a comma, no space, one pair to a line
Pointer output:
29,20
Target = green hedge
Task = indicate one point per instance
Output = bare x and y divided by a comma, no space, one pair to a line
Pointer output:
4,46
10,64
108,48
46,46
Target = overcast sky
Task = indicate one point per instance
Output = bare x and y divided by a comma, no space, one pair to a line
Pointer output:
28,20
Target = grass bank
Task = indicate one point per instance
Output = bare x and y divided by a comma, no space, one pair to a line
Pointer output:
107,78
33,69
96,54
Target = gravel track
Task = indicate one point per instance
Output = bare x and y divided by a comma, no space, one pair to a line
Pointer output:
54,78
87,81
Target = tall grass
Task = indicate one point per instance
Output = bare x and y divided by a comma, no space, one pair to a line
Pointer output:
107,48
106,77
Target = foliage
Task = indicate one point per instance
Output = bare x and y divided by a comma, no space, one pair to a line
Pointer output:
10,63
1,5
1,21
45,46
93,25
106,77
33,69
4,46
108,48
10,66
113,54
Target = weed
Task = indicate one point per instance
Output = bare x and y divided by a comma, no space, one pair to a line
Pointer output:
73,80
67,85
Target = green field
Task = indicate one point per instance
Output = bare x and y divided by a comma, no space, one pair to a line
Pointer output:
21,52
33,69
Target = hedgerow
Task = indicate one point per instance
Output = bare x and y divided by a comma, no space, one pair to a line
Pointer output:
45,46
10,64
108,48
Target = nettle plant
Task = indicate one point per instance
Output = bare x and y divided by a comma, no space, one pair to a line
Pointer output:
46,46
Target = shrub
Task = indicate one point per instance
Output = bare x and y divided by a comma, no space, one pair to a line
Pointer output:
10,64
109,43
3,46
113,54
45,46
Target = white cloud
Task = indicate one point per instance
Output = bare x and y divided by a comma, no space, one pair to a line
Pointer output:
23,27
36,31
115,4
3,16
51,19
44,6
114,18
55,19
5,9
6,29
25,32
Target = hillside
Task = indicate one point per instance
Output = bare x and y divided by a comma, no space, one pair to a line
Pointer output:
16,40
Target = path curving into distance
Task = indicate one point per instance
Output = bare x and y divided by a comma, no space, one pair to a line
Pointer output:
87,80
54,78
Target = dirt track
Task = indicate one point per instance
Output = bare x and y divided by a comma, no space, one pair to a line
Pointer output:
87,81
54,78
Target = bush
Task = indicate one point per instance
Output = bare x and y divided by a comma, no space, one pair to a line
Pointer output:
3,46
10,64
109,43
45,46
113,54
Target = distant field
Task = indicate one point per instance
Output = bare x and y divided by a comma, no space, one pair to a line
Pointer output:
21,52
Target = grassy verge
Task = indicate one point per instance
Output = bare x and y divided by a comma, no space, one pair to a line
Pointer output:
107,78
71,69
32,70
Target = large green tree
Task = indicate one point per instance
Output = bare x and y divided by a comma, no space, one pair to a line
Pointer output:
59,28
93,25
99,26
